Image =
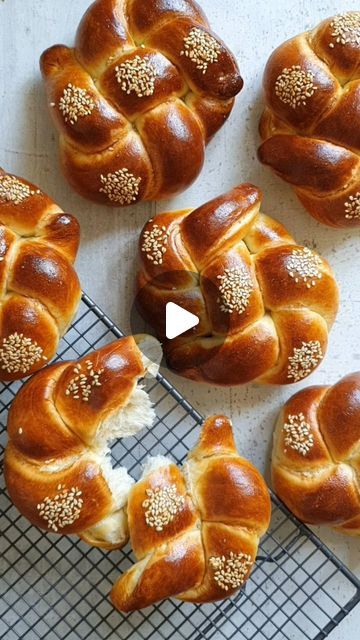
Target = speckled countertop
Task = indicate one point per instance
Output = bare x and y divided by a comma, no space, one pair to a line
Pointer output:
28,147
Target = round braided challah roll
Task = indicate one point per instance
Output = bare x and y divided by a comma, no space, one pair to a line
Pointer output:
311,123
138,98
316,455
265,305
195,532
57,466
40,290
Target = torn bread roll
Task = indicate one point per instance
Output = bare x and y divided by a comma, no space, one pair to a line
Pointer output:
194,531
57,466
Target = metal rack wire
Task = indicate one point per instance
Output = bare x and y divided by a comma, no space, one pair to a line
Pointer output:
57,587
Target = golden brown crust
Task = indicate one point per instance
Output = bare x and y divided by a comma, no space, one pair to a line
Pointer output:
30,487
265,305
118,366
237,360
168,571
331,497
143,18
55,453
39,288
146,533
341,406
220,507
159,78
220,541
310,126
217,487
315,460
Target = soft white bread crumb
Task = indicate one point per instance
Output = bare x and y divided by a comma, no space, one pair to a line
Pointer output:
153,464
118,480
137,414
127,420
112,530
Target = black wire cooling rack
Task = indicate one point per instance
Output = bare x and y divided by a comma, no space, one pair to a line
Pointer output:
53,587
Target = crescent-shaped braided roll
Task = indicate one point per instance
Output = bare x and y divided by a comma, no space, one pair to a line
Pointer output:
39,288
316,455
138,98
195,532
57,467
311,122
265,305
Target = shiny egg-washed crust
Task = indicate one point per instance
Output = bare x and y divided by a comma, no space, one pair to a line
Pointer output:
52,435
311,122
283,311
225,510
39,288
320,484
154,123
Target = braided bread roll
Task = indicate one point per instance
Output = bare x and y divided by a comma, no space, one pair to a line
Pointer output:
138,98
311,122
316,459
57,469
195,532
39,288
271,303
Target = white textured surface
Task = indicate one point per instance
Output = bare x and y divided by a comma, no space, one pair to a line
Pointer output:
28,147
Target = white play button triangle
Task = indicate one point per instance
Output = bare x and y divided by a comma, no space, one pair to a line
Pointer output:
178,320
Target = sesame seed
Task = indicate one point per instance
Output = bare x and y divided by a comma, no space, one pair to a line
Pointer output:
346,29
201,48
230,572
121,186
155,242
62,510
75,103
86,382
162,505
235,289
19,353
20,431
304,265
294,86
137,76
304,360
15,191
298,434
352,207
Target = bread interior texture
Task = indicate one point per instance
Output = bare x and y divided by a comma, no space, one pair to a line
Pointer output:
128,420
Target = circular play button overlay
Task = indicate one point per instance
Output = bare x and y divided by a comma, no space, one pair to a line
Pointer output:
183,310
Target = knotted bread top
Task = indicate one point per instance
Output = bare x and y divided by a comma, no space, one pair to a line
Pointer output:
311,124
137,99
265,305
316,455
39,288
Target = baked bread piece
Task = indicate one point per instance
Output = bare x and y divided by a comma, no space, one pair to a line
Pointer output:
39,288
269,308
316,455
136,101
195,532
57,467
311,124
